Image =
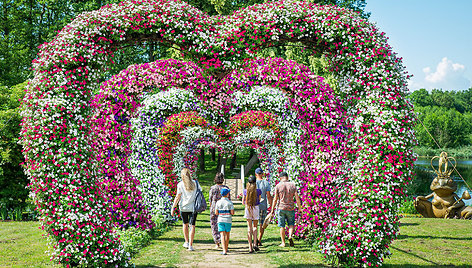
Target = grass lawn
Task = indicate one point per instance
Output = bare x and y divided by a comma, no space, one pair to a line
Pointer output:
22,245
432,243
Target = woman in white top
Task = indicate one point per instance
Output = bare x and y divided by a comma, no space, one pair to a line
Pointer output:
186,193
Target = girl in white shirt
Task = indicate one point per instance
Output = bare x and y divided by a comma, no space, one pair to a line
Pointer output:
186,193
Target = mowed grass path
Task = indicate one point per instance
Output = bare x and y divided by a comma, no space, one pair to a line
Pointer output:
421,243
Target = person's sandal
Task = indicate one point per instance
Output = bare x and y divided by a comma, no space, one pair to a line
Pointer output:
256,248
259,244
290,240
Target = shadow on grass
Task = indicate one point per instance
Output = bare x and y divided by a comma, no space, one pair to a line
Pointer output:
416,256
276,248
424,266
433,237
181,240
154,266
408,224
302,265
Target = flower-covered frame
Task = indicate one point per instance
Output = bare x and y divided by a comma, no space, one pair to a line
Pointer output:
61,165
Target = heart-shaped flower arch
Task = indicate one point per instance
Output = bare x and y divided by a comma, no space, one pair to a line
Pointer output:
57,147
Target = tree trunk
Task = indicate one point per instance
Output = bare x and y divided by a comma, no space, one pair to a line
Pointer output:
202,160
213,154
251,153
221,162
151,51
233,162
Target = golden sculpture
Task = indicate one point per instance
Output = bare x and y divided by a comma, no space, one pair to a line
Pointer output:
446,203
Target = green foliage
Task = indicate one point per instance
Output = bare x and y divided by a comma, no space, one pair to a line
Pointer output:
356,5
407,207
134,239
460,152
19,213
447,115
446,125
421,98
12,178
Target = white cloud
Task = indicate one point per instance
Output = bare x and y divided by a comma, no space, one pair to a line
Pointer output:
448,76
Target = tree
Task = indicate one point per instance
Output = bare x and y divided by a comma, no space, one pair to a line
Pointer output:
12,178
463,100
442,98
448,127
421,98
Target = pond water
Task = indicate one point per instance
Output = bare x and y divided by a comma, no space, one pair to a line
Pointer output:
424,174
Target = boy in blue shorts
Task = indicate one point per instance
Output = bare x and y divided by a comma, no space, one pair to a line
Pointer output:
225,210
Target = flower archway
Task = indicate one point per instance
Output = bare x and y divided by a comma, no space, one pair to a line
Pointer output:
60,158
260,131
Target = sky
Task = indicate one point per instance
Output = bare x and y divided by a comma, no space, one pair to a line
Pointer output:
433,37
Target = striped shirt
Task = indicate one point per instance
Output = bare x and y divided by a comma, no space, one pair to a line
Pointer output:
224,207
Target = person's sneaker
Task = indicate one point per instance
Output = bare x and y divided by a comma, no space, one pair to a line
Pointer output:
191,248
185,245
290,240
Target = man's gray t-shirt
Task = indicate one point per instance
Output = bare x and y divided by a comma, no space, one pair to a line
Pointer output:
264,185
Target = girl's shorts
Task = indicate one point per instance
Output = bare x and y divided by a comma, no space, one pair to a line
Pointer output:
251,214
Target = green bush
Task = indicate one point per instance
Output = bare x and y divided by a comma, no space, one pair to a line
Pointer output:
160,227
134,239
3,212
460,152
407,207
20,213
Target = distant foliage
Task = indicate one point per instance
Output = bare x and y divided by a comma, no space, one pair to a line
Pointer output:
12,178
447,115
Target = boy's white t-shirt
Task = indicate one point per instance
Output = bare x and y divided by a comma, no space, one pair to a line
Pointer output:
224,207
187,199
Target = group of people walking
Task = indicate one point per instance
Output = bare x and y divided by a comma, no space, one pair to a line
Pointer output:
256,198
